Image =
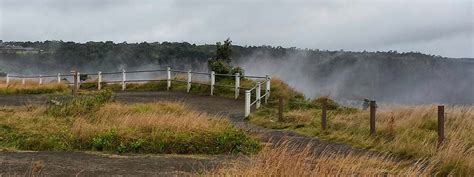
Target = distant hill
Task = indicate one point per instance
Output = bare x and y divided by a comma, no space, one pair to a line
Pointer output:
385,76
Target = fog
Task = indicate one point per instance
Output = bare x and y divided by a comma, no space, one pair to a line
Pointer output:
395,81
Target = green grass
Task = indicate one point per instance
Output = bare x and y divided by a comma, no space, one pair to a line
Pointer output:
94,123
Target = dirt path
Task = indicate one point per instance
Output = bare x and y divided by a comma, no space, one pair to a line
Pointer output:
93,164
61,163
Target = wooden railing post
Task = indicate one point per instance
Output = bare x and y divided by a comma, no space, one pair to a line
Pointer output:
323,114
257,95
99,80
74,87
78,78
440,125
189,81
247,103
124,79
267,88
59,78
40,79
237,85
280,108
168,78
213,82
372,117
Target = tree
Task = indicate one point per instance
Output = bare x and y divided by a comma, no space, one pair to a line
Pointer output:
224,51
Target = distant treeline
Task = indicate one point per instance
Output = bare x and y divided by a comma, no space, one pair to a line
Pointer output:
388,76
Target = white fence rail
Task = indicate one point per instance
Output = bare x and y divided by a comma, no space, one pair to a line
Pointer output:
261,81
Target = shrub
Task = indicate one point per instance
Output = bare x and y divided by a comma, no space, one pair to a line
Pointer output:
299,102
330,104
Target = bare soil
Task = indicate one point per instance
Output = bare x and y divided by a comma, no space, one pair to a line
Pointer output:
69,163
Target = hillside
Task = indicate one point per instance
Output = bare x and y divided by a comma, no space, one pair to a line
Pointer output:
384,76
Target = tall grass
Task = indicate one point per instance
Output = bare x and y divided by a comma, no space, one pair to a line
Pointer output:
288,160
408,131
32,87
164,127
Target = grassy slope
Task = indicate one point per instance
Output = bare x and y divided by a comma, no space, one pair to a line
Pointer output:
403,131
94,124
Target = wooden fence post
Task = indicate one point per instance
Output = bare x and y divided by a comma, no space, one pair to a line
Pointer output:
99,80
237,85
124,78
40,79
257,95
8,79
189,81
59,78
23,80
247,103
213,81
168,78
280,108
372,117
74,87
440,125
267,88
323,114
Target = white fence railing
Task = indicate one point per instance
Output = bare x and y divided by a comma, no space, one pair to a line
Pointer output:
260,81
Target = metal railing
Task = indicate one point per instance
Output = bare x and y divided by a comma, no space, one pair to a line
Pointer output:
189,81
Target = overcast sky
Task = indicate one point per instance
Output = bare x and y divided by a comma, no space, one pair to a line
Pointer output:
439,27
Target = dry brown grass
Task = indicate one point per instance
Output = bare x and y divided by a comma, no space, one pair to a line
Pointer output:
32,86
287,160
148,117
163,127
409,131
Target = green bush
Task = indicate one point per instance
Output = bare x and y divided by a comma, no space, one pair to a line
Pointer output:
330,104
298,102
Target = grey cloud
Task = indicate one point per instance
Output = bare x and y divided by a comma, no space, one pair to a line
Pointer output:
426,26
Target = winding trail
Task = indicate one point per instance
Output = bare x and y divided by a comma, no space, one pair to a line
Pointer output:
88,163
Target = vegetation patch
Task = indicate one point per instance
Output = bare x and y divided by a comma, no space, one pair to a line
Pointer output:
94,123
30,87
403,131
288,160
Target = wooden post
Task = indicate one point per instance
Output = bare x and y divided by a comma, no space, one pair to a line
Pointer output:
78,77
189,81
258,91
74,87
372,117
59,78
213,82
247,103
237,85
168,78
8,79
267,88
40,79
99,80
440,125
23,80
323,114
124,78
280,108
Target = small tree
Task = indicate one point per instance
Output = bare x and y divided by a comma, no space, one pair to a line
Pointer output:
220,63
224,51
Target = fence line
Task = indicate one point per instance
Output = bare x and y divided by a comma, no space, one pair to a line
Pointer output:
77,77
